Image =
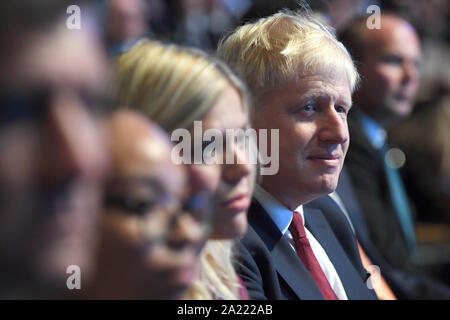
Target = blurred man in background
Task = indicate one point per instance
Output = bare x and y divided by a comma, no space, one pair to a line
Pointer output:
126,22
53,160
388,60
388,63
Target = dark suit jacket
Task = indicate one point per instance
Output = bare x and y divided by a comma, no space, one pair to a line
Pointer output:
405,285
365,166
271,269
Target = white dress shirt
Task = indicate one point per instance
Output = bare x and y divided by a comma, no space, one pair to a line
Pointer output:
282,218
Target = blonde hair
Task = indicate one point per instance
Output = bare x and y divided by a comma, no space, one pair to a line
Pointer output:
217,278
283,47
172,85
175,86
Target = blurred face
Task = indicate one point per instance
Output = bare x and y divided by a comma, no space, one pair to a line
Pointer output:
233,192
311,116
53,160
150,241
341,11
126,20
389,71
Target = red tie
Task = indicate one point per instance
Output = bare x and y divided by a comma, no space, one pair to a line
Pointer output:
308,258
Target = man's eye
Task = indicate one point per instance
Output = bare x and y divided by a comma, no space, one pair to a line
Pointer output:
391,59
340,109
308,110
308,107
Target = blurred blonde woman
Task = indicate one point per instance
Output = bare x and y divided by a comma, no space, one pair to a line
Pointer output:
176,86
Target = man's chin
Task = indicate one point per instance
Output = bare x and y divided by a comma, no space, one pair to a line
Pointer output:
326,185
401,110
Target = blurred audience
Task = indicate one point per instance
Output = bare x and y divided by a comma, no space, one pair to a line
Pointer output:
431,20
424,145
126,22
388,60
423,138
150,240
201,23
424,162
152,79
53,161
336,13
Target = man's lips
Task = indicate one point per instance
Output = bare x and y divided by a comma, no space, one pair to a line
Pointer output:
325,156
238,203
330,160
402,97
405,94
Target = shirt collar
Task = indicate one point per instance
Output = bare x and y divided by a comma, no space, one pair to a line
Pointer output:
374,132
279,214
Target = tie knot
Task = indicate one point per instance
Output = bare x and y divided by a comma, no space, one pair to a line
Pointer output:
296,227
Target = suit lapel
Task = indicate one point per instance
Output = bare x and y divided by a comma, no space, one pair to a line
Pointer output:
349,276
286,261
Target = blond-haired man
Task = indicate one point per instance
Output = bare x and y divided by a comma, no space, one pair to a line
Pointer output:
301,79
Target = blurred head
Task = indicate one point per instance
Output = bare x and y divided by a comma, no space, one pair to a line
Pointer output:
150,242
126,21
175,87
301,79
388,61
53,161
340,12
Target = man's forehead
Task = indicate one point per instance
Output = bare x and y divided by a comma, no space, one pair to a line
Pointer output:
311,87
393,30
315,85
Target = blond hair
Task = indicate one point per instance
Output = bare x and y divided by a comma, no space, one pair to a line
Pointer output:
217,278
172,85
175,86
283,47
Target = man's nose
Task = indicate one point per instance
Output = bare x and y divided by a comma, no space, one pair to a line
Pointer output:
333,127
410,72
76,144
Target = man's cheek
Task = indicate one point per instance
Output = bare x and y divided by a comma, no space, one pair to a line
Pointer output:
389,77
